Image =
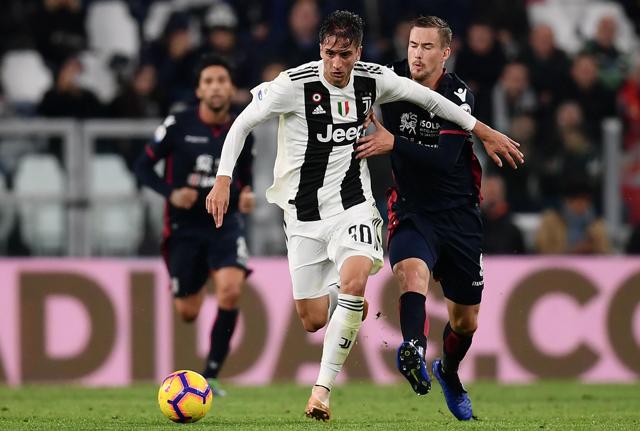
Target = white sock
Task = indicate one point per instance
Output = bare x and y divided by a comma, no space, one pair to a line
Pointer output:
339,338
334,291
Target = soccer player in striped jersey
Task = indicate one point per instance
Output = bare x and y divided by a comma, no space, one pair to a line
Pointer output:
434,218
331,223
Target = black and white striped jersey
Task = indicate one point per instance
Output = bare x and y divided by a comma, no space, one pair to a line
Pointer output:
316,174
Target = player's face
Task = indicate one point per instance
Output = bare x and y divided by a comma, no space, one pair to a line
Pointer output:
339,56
215,88
425,53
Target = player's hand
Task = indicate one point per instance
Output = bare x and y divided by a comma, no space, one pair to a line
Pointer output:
247,200
218,199
496,143
378,142
183,197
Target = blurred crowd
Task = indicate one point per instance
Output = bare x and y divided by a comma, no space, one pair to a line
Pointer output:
547,72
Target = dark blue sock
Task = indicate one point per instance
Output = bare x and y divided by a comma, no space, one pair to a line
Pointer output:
412,318
221,333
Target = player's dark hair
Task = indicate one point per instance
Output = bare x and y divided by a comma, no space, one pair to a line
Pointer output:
343,25
430,21
208,60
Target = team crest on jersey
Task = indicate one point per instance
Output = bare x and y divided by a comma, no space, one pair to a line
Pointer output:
408,122
343,107
204,163
367,103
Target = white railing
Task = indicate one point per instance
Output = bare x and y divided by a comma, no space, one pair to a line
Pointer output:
78,146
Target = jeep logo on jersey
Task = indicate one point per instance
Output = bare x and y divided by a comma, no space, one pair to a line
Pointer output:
340,134
204,163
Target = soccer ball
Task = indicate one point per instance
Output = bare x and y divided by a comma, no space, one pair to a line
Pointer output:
185,396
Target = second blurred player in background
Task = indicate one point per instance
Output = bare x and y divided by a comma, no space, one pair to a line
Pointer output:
190,142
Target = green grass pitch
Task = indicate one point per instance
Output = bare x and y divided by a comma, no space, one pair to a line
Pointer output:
356,406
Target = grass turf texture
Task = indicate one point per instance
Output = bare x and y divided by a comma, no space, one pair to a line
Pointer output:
355,406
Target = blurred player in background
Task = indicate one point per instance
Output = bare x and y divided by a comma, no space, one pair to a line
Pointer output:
434,215
194,250
331,223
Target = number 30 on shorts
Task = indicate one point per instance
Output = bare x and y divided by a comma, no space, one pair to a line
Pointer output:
362,233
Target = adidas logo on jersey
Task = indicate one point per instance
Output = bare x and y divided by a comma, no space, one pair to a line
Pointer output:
319,110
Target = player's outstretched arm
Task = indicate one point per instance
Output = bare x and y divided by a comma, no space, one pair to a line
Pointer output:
495,142
498,144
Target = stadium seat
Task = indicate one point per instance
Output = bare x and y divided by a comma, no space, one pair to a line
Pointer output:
111,29
14,148
7,214
155,207
155,212
97,77
573,22
156,19
25,77
265,227
528,223
626,39
116,211
39,190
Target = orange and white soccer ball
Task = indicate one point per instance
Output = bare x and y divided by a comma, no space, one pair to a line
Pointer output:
185,396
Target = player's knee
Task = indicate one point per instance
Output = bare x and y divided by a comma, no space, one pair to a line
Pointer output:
414,284
228,296
412,277
465,325
354,285
313,324
188,314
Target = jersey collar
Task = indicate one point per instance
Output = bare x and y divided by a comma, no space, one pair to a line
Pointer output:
331,86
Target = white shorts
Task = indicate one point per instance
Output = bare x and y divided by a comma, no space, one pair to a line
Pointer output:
317,249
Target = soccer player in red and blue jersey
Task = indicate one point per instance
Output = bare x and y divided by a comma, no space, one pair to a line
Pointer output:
434,217
190,143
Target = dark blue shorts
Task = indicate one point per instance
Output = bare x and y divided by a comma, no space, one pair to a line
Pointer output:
450,243
191,256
